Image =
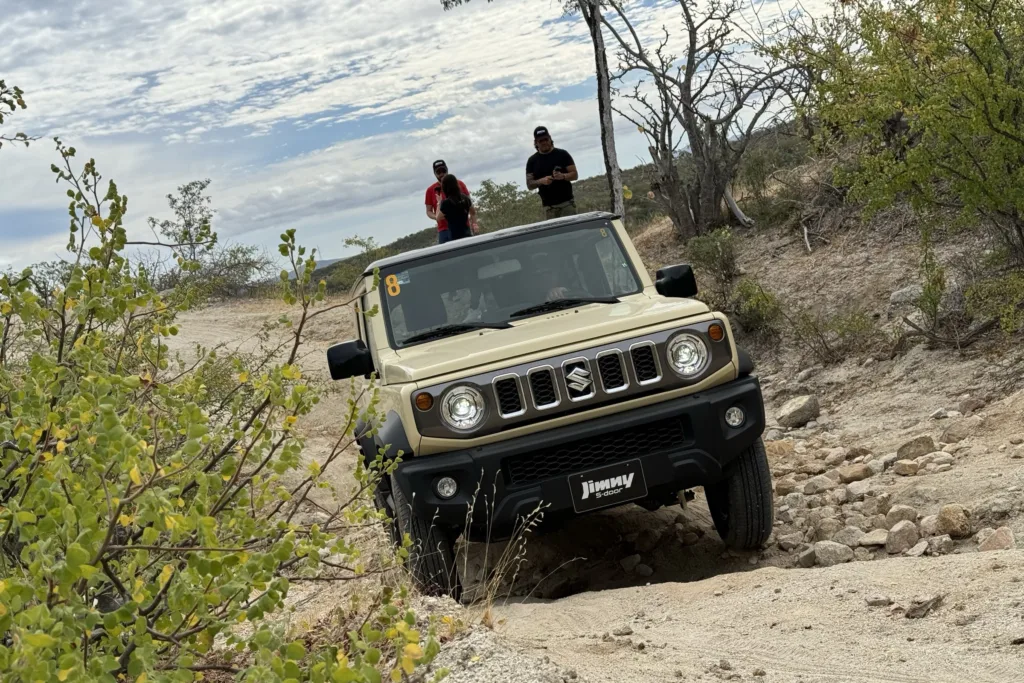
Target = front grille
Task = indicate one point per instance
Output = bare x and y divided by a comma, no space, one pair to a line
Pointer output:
612,375
596,451
507,392
542,385
644,363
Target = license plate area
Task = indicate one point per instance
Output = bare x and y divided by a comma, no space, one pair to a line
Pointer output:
608,485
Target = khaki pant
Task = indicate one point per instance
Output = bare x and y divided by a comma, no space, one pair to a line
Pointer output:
558,210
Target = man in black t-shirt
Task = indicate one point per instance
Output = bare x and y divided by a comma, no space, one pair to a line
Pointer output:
551,171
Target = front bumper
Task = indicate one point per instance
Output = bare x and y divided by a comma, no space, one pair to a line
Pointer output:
680,443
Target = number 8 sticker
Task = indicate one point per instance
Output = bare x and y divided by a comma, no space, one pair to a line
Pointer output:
394,289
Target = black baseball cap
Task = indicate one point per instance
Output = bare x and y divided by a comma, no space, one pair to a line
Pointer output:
540,132
440,164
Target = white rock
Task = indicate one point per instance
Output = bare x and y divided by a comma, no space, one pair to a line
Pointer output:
1001,539
849,536
900,513
874,538
901,538
905,468
918,550
819,484
929,525
829,553
799,411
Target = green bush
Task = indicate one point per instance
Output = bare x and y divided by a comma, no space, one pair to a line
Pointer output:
153,516
714,254
1000,297
757,310
834,337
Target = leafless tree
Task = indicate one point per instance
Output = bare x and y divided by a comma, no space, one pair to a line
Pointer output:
719,93
590,11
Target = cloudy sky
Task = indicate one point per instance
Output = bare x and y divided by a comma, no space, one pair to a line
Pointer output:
322,115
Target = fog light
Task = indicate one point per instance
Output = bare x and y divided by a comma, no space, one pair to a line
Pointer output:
446,487
734,417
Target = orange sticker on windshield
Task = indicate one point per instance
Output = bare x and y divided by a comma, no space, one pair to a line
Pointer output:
391,282
604,233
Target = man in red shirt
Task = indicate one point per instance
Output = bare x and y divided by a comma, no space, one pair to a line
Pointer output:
433,200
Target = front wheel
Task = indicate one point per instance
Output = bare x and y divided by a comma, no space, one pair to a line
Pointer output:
432,555
741,504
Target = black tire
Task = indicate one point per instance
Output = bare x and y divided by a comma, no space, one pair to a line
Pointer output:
741,504
432,555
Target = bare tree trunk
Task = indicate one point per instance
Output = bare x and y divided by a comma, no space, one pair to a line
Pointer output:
745,220
591,10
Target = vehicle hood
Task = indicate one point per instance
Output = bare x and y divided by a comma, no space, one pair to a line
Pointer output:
536,335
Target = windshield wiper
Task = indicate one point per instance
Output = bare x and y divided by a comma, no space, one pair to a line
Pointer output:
454,328
557,304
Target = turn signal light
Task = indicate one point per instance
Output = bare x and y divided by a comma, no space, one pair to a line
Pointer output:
424,401
716,332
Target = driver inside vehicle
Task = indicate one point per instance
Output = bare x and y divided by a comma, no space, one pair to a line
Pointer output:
548,274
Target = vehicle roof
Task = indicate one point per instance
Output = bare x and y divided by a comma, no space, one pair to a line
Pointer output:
458,245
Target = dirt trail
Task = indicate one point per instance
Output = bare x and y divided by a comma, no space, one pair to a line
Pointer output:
795,625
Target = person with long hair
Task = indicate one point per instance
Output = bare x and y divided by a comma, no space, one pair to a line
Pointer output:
457,209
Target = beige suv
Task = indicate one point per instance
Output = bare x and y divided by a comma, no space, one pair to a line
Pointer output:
541,365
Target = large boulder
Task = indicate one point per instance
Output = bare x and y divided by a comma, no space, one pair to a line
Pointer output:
799,411
961,429
901,538
1000,539
852,473
915,448
954,520
829,553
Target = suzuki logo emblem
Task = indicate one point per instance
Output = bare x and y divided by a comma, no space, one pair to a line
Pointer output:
578,379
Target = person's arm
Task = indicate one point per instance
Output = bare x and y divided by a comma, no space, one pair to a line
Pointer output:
472,220
532,182
570,168
431,202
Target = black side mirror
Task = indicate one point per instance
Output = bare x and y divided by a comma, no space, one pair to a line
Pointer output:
676,281
349,359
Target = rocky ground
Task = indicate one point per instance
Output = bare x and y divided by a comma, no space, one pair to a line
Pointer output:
899,494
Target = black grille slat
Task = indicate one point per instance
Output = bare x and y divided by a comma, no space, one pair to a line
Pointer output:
612,376
509,401
577,456
644,363
542,385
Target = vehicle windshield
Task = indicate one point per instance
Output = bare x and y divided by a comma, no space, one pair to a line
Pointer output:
505,280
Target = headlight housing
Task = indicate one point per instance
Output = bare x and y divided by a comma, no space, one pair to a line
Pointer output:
463,408
688,355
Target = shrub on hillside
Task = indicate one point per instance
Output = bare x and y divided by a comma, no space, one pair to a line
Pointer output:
834,337
757,310
714,255
153,513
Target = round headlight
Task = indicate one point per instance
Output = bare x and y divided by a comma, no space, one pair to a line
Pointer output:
462,408
688,355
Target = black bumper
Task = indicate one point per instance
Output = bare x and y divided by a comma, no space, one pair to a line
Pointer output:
680,443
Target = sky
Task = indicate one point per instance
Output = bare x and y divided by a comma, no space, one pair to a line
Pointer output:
319,115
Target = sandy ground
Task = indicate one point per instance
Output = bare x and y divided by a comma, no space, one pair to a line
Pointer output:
704,614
